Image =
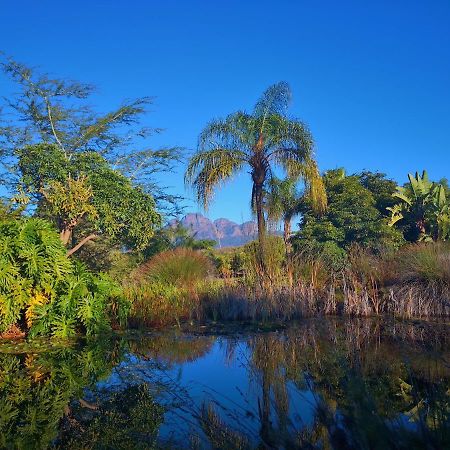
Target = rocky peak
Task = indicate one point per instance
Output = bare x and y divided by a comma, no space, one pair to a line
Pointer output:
225,232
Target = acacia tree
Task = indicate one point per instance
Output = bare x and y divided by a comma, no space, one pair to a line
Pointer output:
262,140
56,111
86,198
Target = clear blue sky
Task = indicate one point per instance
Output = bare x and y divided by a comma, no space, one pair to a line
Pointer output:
371,78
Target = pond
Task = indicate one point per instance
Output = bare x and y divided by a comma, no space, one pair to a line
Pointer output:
319,383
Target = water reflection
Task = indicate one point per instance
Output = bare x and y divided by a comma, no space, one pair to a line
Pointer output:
318,384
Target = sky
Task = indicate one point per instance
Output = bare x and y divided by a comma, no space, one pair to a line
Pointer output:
370,78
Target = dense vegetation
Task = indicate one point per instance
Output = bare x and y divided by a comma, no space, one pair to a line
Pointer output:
45,292
85,246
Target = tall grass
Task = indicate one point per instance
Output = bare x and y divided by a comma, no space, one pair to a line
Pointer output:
180,285
413,282
181,267
165,290
418,279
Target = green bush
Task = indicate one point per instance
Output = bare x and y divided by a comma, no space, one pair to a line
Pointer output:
157,304
165,289
44,292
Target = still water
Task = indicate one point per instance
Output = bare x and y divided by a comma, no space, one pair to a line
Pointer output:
316,384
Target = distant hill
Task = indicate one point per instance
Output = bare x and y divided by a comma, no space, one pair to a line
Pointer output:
225,232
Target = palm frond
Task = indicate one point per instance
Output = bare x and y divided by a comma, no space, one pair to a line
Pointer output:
275,100
209,169
282,198
290,142
234,132
315,187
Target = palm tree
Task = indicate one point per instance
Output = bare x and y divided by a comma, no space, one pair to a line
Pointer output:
284,201
261,141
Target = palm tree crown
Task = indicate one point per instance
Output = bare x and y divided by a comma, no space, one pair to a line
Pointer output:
263,140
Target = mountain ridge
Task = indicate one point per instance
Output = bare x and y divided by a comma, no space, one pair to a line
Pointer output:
224,231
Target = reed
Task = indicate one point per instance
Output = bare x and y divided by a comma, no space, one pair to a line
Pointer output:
181,286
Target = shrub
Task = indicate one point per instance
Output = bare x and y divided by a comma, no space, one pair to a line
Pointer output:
426,263
157,304
229,262
45,292
274,258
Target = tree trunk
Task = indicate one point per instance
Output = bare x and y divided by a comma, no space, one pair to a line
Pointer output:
259,195
81,243
64,235
260,214
66,230
287,235
259,172
288,248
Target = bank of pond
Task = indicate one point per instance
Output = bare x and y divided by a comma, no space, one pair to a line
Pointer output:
315,383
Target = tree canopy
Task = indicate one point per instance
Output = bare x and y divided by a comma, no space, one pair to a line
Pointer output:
422,209
56,111
85,197
352,215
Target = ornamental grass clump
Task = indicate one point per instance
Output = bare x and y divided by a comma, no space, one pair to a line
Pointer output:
181,267
166,289
419,280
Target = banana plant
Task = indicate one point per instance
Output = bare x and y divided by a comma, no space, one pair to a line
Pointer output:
423,204
441,212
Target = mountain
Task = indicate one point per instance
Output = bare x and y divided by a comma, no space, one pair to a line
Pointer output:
225,232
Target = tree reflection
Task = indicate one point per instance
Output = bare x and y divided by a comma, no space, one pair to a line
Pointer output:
370,389
36,389
319,384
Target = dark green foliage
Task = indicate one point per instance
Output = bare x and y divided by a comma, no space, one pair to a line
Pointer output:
124,212
44,292
381,188
352,215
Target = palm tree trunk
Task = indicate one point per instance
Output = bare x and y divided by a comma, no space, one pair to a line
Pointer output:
288,247
287,235
260,217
